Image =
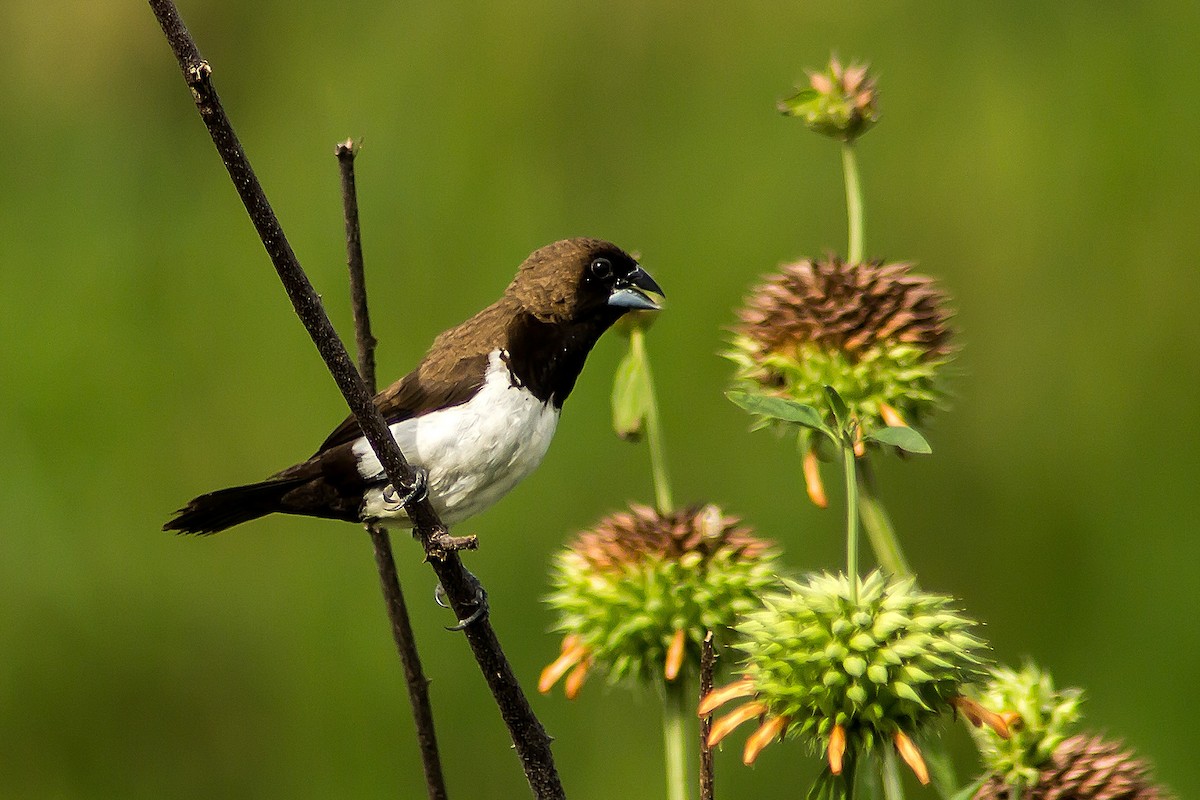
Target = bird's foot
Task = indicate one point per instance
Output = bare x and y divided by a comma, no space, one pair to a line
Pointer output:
394,501
480,602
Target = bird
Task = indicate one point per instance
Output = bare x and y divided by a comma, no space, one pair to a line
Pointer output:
476,415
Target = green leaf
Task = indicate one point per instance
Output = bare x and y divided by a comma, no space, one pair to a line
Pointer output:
630,397
829,786
780,408
941,769
838,405
904,438
969,791
801,103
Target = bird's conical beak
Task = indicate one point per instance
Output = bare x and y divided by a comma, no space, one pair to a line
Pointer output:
637,290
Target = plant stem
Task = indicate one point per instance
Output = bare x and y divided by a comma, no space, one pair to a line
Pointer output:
849,468
893,788
854,202
654,438
675,738
878,525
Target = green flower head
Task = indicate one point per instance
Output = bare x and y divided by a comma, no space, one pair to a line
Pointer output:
1041,718
844,676
637,593
839,102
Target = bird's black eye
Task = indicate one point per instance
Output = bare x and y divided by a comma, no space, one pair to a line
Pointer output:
602,268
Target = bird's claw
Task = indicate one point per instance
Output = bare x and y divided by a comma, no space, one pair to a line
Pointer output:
480,602
394,501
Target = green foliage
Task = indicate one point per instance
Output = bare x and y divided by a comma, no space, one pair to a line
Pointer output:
841,413
631,395
828,786
780,408
906,439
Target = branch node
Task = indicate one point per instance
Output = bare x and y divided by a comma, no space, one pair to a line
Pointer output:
441,544
199,73
198,77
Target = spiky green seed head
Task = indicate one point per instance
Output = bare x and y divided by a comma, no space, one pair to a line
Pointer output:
877,333
890,662
839,102
628,584
1047,717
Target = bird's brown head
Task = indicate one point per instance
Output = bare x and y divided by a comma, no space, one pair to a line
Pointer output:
574,280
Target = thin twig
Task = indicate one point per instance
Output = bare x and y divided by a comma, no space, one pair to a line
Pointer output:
530,740
364,340
708,657
389,581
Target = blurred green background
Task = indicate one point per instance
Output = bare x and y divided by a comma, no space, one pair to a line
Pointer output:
1041,159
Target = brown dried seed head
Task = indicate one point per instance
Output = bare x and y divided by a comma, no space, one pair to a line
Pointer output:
630,536
849,307
1086,768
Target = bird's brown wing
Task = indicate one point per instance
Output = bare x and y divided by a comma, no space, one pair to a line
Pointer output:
429,387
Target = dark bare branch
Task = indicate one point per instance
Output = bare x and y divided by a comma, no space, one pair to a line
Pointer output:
385,562
363,338
529,737
708,657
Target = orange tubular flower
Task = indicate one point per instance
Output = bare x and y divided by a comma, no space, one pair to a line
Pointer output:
675,655
912,756
573,651
978,715
719,697
575,680
837,749
891,416
766,733
725,725
812,480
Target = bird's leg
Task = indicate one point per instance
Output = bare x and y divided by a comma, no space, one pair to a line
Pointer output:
480,602
393,501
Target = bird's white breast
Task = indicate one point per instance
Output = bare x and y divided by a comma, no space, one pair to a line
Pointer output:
475,452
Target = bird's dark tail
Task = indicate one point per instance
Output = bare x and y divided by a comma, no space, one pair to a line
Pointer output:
224,508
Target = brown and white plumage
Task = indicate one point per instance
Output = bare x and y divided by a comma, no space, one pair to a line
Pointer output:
478,411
